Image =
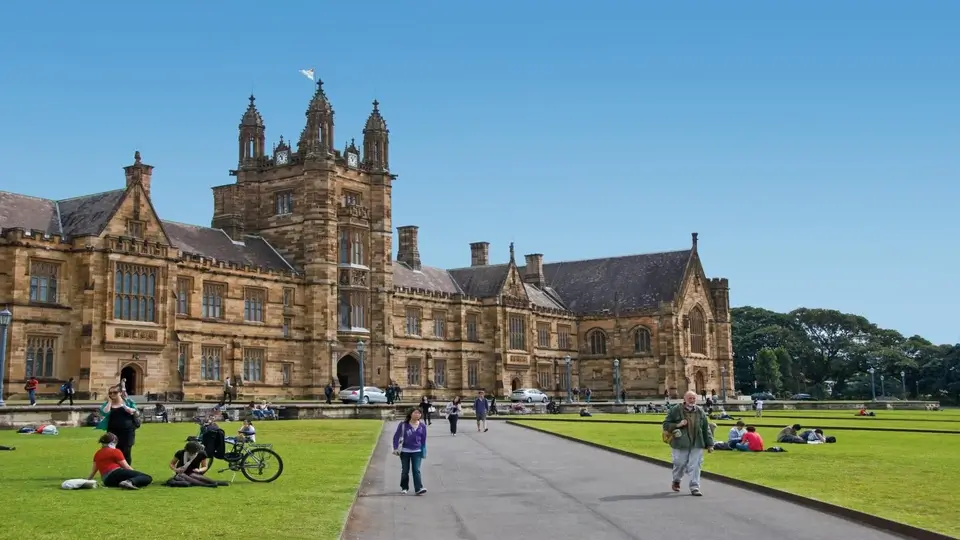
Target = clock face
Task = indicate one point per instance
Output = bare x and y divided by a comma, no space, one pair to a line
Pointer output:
352,159
282,158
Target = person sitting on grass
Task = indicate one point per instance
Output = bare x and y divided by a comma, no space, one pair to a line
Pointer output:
789,435
751,441
113,467
247,432
736,433
189,466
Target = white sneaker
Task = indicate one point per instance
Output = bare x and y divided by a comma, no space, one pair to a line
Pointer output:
403,492
126,484
421,491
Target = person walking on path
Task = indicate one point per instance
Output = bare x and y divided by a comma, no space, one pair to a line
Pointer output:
425,407
227,392
481,407
31,388
66,392
410,443
453,414
328,393
690,436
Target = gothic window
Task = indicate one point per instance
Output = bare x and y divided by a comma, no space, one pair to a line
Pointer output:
351,247
473,327
288,297
250,148
563,337
210,363
253,364
41,356
352,310
439,324
43,281
543,335
413,371
545,379
597,341
134,293
518,332
440,373
641,341
213,296
253,304
284,203
182,356
183,295
287,322
698,332
286,373
413,322
473,374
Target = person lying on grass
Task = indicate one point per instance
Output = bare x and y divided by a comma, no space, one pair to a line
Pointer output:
789,435
189,466
113,467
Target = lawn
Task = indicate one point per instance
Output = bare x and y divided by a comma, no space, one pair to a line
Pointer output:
919,421
906,477
324,461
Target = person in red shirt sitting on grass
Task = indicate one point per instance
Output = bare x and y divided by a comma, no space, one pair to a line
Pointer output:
113,467
751,441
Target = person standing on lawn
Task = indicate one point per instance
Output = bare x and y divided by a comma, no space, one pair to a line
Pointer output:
410,443
120,420
691,437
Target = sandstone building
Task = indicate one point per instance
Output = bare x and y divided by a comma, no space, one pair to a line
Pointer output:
297,268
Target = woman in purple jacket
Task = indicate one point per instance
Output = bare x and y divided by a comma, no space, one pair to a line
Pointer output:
410,443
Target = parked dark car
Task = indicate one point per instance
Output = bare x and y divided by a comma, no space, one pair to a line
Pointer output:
802,397
765,396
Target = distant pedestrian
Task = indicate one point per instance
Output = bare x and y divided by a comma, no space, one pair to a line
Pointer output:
691,435
31,388
66,392
410,443
758,405
426,408
227,392
453,411
328,393
481,407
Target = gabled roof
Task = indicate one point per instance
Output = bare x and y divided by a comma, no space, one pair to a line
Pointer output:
214,243
31,213
428,279
635,281
88,215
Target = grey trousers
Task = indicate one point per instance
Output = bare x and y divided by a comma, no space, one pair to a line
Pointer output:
687,462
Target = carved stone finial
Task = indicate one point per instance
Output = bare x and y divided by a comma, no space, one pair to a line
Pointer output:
376,105
252,99
136,157
319,85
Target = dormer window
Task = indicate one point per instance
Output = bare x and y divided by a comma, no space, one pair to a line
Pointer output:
135,229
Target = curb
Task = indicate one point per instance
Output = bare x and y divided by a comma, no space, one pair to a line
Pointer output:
870,520
533,418
356,494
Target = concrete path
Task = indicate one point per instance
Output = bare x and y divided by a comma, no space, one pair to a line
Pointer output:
515,483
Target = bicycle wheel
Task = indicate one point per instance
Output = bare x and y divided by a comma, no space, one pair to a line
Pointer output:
257,465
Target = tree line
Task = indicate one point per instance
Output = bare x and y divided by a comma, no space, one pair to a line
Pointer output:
830,354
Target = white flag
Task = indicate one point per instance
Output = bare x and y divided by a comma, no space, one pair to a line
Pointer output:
308,73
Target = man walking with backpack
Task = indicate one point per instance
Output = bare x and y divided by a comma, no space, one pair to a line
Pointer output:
66,389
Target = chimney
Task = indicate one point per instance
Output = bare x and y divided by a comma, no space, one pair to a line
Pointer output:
533,273
139,172
408,252
479,253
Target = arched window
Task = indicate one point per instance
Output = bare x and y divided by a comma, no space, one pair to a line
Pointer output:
598,342
641,341
698,332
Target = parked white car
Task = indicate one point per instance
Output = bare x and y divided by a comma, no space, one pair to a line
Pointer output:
371,394
529,395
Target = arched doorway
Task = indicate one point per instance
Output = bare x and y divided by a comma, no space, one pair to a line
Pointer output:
515,384
700,382
348,371
131,375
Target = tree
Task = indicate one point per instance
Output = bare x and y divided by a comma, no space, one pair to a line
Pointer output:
768,370
785,361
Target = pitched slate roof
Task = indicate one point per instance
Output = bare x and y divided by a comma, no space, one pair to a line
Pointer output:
428,278
642,281
214,243
89,214
32,213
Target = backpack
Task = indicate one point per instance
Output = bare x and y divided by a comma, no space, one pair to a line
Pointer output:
831,439
214,443
63,387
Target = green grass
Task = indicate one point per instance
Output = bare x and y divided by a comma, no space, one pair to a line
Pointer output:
906,477
919,421
324,461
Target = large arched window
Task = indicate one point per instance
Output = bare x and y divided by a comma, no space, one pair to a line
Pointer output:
597,341
698,332
641,341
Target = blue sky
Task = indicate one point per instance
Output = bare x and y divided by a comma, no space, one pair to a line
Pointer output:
814,147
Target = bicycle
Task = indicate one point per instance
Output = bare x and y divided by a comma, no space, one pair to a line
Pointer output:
252,460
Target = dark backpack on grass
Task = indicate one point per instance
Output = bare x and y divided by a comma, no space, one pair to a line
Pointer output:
214,443
831,439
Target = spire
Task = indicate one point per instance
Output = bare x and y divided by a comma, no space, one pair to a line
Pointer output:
694,237
317,136
376,140
252,139
251,117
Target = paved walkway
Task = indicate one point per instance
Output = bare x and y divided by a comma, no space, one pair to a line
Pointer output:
515,483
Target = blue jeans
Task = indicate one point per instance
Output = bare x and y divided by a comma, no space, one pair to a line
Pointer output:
32,394
408,459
